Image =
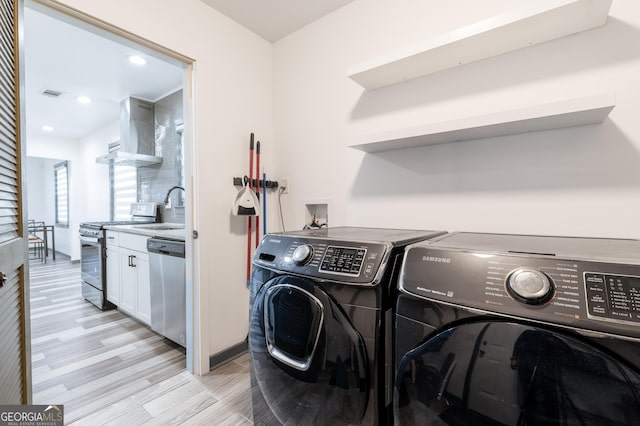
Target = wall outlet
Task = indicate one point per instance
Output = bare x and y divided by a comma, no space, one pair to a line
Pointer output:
284,183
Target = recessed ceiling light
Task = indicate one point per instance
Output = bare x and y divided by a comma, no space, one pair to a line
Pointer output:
138,60
83,99
47,128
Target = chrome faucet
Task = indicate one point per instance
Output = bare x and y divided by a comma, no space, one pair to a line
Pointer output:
166,199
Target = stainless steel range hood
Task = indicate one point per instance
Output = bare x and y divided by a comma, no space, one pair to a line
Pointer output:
137,136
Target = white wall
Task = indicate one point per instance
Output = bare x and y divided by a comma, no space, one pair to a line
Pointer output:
581,181
62,149
95,204
40,189
88,181
231,98
41,194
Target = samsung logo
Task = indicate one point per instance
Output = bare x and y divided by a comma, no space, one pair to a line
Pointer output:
436,259
275,241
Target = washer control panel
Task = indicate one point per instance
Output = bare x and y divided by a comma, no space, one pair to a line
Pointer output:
594,296
613,297
345,261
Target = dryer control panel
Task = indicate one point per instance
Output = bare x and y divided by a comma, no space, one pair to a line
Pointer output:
594,296
344,261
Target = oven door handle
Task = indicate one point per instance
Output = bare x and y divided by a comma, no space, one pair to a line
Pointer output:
90,240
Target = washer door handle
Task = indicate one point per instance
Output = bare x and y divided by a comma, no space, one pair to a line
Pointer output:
284,358
273,322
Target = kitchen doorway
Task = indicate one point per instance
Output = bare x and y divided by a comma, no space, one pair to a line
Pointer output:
102,88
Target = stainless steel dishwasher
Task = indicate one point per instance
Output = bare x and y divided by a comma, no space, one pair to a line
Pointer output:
168,290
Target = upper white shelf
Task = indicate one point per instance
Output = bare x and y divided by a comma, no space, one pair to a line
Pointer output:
544,20
556,115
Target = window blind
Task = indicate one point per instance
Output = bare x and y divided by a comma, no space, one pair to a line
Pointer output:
124,183
61,179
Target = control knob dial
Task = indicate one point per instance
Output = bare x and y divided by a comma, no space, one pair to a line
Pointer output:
530,286
302,254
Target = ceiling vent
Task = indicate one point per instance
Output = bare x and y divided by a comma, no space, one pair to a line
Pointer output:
51,93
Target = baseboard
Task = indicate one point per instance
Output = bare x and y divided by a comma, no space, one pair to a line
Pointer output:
229,354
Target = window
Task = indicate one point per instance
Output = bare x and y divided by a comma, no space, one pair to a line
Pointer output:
123,189
123,184
61,184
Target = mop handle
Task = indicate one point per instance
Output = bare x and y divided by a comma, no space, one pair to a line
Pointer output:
249,218
264,203
257,192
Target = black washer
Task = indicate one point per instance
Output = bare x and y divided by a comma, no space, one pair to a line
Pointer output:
320,325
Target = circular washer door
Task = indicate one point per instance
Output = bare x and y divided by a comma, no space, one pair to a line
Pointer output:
308,363
507,373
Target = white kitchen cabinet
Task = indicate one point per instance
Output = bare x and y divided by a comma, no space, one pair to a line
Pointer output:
134,277
128,283
131,266
113,268
143,311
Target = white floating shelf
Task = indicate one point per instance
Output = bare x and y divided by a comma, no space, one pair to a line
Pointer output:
556,115
544,20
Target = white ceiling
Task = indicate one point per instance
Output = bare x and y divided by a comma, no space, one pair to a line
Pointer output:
274,19
67,59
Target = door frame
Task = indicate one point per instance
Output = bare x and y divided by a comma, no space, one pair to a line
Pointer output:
22,149
197,355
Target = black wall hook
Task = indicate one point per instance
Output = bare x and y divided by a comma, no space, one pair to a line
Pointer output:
271,184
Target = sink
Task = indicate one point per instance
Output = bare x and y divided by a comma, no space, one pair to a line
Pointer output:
161,226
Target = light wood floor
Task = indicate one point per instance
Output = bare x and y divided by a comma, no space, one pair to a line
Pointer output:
106,368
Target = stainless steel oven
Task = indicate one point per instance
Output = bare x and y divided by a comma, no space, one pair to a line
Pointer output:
92,265
93,253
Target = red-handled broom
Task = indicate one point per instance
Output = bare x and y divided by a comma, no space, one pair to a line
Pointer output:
249,218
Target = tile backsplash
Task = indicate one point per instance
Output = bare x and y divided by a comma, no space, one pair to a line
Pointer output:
154,181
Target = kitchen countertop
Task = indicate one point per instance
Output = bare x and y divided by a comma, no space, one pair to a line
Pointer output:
149,231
